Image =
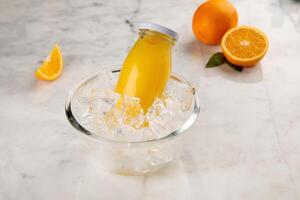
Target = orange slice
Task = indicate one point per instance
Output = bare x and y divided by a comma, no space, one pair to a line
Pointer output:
244,46
52,67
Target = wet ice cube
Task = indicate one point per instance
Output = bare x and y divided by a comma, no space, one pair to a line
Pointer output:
180,92
133,112
158,107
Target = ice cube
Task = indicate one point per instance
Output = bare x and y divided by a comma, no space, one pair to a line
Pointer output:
180,94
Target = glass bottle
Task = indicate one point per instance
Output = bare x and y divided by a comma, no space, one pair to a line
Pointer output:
148,65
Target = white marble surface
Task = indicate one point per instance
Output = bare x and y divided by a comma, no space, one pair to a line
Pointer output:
245,144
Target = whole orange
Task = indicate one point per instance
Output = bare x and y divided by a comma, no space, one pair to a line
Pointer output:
212,19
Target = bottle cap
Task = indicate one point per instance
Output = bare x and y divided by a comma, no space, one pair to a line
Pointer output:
158,28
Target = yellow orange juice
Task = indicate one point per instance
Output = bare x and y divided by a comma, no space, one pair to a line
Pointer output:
147,67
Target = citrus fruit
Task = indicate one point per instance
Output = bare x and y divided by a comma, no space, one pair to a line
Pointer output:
52,67
244,46
212,19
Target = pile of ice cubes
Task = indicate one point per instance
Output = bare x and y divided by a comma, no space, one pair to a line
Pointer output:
94,107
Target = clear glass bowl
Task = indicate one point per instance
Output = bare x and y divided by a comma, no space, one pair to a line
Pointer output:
127,157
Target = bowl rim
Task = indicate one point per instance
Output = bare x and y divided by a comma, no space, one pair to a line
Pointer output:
98,138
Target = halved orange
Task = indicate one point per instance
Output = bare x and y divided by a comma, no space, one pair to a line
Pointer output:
52,67
244,46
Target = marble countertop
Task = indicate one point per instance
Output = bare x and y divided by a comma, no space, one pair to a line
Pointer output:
244,145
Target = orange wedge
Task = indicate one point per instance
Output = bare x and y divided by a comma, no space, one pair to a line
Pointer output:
244,46
52,67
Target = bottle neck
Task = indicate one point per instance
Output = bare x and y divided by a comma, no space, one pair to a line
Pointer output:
156,37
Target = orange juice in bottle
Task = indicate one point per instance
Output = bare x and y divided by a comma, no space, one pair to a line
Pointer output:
148,65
